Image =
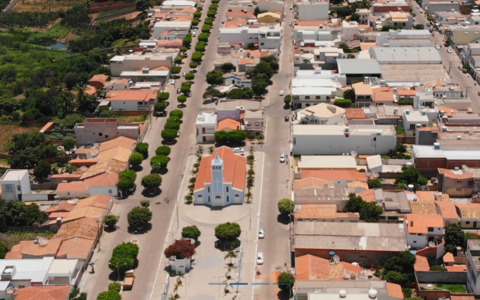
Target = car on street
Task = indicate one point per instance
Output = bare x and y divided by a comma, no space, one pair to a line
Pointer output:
184,73
172,81
287,118
179,91
194,33
178,133
437,47
261,233
238,150
449,50
290,24
260,258
282,92
283,157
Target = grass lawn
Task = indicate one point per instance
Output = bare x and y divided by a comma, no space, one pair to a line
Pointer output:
129,119
18,236
7,132
454,288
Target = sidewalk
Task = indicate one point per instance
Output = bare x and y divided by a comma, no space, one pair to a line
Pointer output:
209,273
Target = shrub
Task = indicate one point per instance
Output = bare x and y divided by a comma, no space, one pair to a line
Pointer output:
286,281
180,249
343,103
163,96
124,257
139,217
151,181
197,56
286,206
163,150
142,148
176,113
182,99
203,37
189,76
115,286
159,162
135,159
145,203
109,295
191,232
110,221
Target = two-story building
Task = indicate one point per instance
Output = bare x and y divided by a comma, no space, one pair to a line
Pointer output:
424,230
131,100
15,183
206,127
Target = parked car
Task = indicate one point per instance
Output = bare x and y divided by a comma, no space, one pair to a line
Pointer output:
178,133
184,73
261,233
172,81
437,47
282,92
194,33
449,50
287,118
260,258
283,157
179,91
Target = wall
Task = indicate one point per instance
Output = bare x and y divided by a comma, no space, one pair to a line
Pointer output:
336,144
312,11
242,36
106,190
441,277
202,196
270,5
457,187
368,258
73,194
142,62
124,105
232,114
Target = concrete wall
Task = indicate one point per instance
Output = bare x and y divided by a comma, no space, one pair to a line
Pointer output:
336,144
457,187
241,36
441,277
90,132
368,258
312,11
272,6
106,190
117,68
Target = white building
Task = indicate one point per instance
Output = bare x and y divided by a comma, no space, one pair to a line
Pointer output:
337,139
206,126
221,179
349,31
322,113
15,183
308,92
310,36
131,100
424,230
473,266
312,9
266,37
271,5
405,55
412,118
162,27
137,62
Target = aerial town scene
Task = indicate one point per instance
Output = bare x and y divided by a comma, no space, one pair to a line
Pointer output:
239,149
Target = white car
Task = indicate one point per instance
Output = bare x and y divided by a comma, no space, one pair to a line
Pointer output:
282,92
261,233
184,73
449,50
172,81
437,47
283,157
194,33
260,258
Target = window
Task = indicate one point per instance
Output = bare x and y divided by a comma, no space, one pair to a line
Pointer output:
227,189
100,134
139,103
208,198
208,189
430,229
317,97
8,187
228,199
109,191
307,97
467,222
106,136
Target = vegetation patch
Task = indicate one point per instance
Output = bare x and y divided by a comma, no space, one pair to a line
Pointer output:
8,131
17,236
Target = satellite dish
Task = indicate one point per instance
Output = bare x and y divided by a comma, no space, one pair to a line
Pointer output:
354,153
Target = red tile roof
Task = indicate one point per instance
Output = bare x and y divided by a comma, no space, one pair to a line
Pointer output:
355,113
421,223
451,174
104,179
61,207
45,292
75,248
228,124
311,267
394,290
352,175
131,95
456,268
312,183
448,258
74,186
235,168
99,78
368,195
421,263
447,209
120,141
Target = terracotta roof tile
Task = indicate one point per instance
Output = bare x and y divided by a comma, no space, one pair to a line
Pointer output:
119,153
425,196
447,209
45,292
55,215
349,175
469,210
30,249
322,211
61,207
229,124
451,174
105,179
235,168
448,258
357,184
131,95
368,195
100,201
99,78
86,228
74,186
406,92
246,61
452,297
310,267
75,248
456,268
120,141
85,212
312,183
111,165
80,162
355,113
394,290
421,264
421,223
423,207
448,110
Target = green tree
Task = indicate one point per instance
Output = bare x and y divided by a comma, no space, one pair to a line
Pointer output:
354,203
77,16
180,249
109,295
42,170
345,103
163,150
123,258
152,181
227,231
182,99
187,41
454,237
191,232
189,76
126,180
159,162
193,64
402,263
286,206
163,96
115,286
396,277
370,212
212,94
286,281
215,77
349,94
197,56
175,70
169,134
287,99
139,217
375,183
200,46
142,148
264,68
69,144
3,249
135,159
111,221
259,87
227,67
71,120
143,5
231,138
176,113
160,107
203,37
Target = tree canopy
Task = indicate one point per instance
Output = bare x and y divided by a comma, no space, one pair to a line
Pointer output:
215,77
227,231
163,150
135,159
139,217
230,138
286,206
191,232
159,162
369,211
180,249
151,181
286,280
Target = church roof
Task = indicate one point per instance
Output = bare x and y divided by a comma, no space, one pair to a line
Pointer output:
234,169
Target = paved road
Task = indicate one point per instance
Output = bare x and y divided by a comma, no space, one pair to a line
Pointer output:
277,181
